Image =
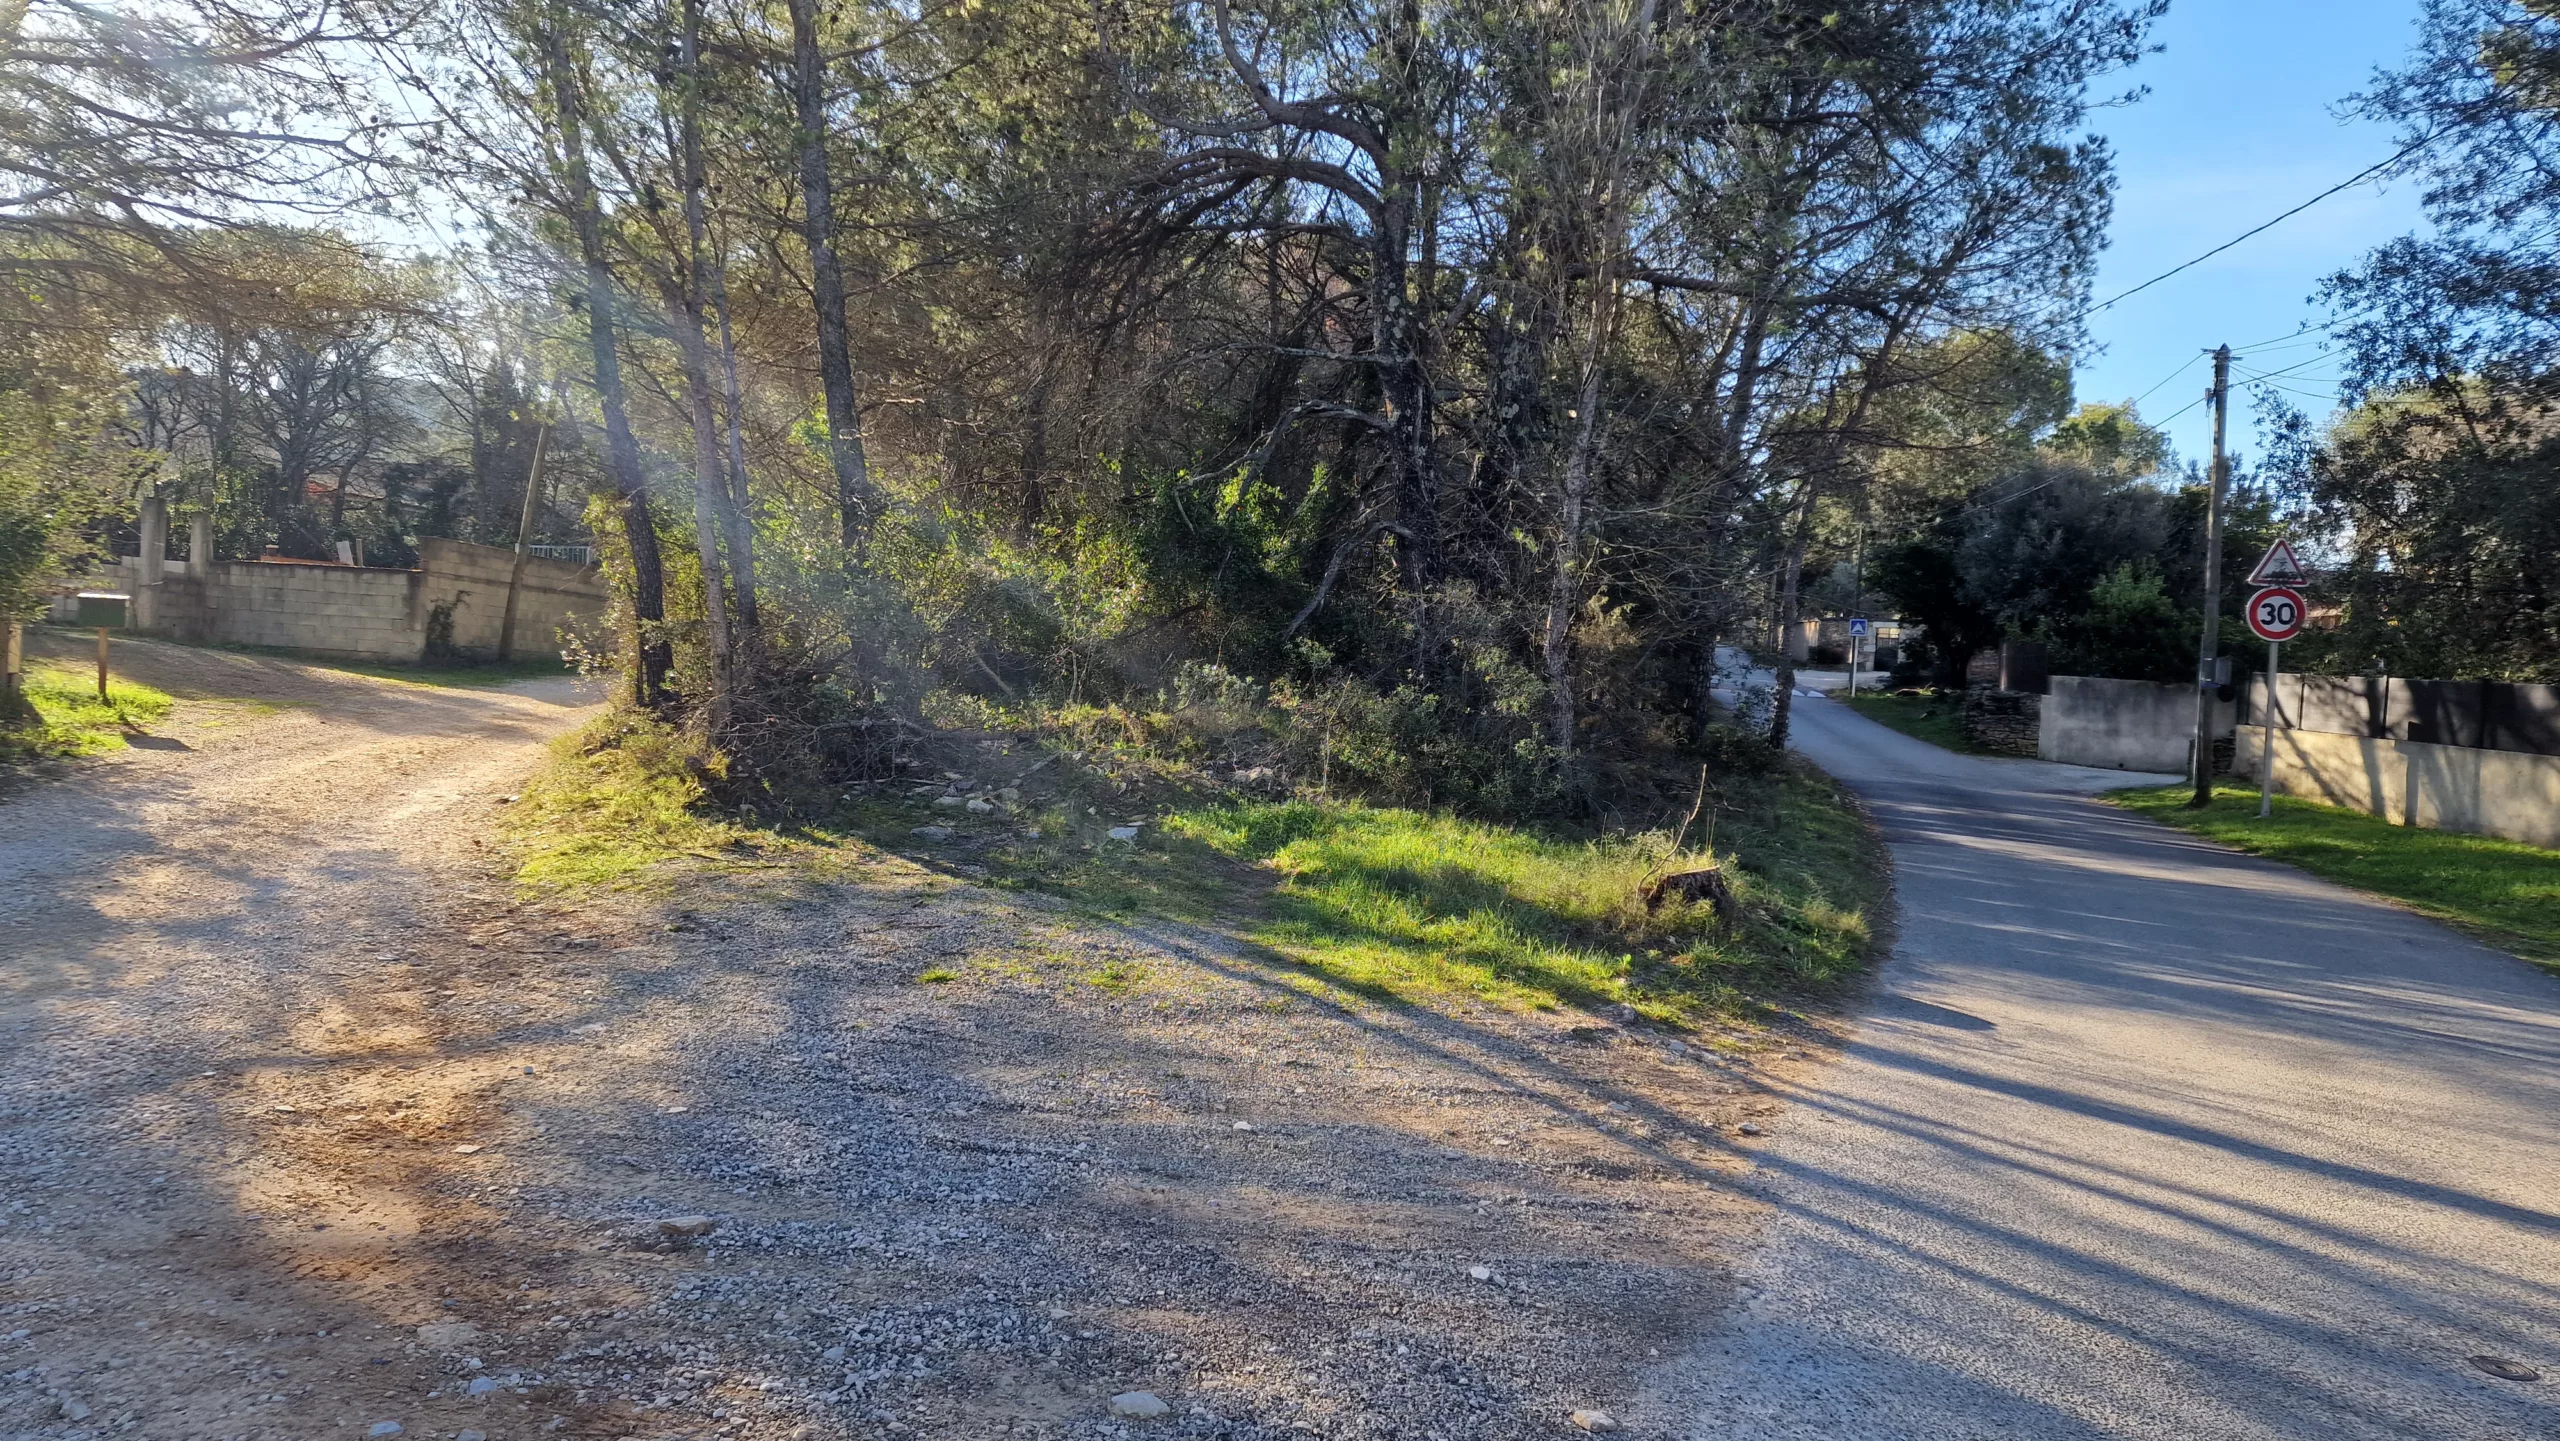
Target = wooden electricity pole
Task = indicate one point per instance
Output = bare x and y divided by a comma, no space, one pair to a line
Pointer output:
2208,649
524,539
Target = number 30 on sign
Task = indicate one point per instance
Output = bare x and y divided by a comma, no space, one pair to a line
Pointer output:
2276,613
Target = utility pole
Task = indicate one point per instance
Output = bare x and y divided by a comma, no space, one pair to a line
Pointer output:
2208,649
524,542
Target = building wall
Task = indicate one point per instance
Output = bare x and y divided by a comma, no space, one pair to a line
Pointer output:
2510,794
365,613
2128,725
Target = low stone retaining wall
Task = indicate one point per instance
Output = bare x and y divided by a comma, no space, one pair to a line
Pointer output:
2005,721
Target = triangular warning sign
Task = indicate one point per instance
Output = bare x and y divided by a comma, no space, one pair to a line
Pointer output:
2279,566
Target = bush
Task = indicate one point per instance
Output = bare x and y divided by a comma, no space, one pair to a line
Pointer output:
2131,630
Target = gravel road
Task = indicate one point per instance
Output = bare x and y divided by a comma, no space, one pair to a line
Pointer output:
2146,1139
311,1126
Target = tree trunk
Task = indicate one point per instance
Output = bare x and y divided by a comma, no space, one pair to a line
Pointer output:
650,654
1564,592
1782,705
710,484
1613,139
1396,338
856,502
742,566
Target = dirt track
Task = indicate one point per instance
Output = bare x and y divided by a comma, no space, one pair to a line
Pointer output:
260,989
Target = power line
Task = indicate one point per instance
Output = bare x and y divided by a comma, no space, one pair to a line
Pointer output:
2304,329
2349,183
2181,410
2164,380
2290,369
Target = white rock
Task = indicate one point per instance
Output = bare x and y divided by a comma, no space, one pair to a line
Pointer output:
1593,1421
481,1386
1124,833
1243,1126
980,805
74,1410
1676,1048
448,1335
832,1353
1749,1128
951,802
384,1428
931,833
688,1225
1139,1405
468,1148
1480,1273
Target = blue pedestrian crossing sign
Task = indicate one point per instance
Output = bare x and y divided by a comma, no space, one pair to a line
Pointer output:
1858,626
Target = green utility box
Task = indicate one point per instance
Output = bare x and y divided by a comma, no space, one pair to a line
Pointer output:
103,610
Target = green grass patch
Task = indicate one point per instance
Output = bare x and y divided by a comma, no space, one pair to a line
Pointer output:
70,719
2503,892
1354,902
1933,718
937,976
620,796
1399,904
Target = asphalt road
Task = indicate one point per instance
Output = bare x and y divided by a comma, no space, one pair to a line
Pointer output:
2144,1138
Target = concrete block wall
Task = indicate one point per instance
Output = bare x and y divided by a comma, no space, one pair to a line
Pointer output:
358,612
2510,794
364,612
2128,725
554,593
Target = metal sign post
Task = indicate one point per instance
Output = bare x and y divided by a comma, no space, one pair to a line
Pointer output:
1857,639
2276,615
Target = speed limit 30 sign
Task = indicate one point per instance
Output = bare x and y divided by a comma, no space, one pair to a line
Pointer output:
2276,613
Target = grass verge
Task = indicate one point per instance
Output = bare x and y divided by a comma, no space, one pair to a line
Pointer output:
620,796
1369,902
1399,904
70,720
2505,893
1933,718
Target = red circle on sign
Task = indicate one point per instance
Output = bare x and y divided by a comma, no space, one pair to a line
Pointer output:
2276,613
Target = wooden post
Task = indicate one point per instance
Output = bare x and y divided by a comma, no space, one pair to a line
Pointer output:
2209,645
102,665
13,678
524,537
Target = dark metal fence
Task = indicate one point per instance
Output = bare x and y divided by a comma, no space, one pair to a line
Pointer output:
2481,714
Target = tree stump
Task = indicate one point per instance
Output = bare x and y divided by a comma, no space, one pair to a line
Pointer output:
1705,886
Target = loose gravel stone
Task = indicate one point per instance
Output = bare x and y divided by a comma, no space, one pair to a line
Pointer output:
1139,1405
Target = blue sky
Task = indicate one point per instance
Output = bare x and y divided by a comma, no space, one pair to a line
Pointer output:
2240,125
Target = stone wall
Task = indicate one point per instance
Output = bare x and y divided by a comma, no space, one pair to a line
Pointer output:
2457,788
2129,725
363,612
2003,721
